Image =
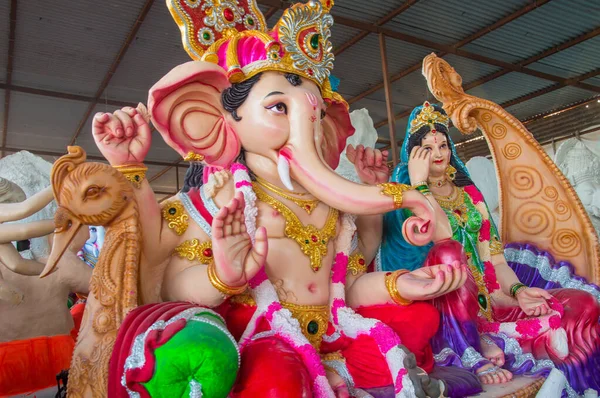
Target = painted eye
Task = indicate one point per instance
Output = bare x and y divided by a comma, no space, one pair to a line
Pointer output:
279,108
92,192
323,114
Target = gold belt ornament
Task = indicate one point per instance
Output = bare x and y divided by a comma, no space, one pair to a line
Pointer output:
313,319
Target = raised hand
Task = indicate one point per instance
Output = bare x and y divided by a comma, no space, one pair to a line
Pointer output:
418,164
123,137
533,301
370,164
427,283
236,260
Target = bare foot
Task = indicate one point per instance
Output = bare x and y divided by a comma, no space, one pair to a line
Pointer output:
424,385
491,351
490,374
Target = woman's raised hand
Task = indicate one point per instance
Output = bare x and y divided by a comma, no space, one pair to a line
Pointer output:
418,164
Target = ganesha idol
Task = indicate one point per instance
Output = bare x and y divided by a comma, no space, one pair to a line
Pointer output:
257,289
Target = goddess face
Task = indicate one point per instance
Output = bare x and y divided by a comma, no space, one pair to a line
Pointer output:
437,145
589,193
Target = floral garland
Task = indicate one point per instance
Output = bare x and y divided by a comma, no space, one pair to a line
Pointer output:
523,328
342,317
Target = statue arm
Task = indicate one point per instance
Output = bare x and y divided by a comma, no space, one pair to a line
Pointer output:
504,274
35,229
75,273
10,257
158,241
367,289
370,232
190,284
18,211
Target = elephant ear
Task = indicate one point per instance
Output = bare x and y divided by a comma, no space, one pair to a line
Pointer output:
185,106
337,127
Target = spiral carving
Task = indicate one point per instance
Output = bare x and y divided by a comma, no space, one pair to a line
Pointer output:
562,210
511,151
486,117
524,182
499,132
535,218
566,242
551,194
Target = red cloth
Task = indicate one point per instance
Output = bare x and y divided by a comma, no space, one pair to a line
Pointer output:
416,324
270,368
32,364
77,314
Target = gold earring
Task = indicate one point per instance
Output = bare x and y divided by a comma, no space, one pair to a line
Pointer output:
451,172
193,157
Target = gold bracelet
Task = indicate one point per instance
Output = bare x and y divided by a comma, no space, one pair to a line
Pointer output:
418,184
222,287
395,191
135,173
390,283
357,264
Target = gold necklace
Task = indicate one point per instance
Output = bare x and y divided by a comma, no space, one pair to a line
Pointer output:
313,242
308,205
438,183
456,205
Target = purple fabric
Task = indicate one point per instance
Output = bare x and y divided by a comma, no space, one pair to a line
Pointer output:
460,382
530,276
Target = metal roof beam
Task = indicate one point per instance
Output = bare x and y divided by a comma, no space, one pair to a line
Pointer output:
9,69
165,170
89,157
405,6
113,68
465,41
270,12
69,96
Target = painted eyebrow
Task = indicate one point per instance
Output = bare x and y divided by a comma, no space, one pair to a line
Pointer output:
273,93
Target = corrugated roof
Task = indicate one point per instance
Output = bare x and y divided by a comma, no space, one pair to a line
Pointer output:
4,30
510,86
155,51
1,110
43,123
69,46
538,30
549,102
340,34
470,70
449,21
365,11
573,61
359,68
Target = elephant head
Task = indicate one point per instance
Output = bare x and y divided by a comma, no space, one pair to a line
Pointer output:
268,94
86,194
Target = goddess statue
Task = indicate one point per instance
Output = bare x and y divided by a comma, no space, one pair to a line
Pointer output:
582,167
559,327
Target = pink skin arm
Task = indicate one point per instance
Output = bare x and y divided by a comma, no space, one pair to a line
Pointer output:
531,300
124,137
422,284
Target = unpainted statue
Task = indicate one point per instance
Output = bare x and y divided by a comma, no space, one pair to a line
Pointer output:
582,167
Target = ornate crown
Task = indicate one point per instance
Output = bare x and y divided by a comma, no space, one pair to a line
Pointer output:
234,35
427,117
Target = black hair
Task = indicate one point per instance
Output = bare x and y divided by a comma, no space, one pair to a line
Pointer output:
193,177
233,97
416,138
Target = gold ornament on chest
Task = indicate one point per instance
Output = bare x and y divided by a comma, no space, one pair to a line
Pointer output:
308,205
312,241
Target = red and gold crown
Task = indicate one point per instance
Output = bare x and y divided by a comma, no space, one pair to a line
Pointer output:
233,34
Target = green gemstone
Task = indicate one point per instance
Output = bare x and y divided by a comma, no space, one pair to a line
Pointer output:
137,177
314,41
206,36
307,241
482,301
172,211
250,21
430,121
312,327
323,242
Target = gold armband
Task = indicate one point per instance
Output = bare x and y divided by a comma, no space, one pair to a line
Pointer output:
496,247
357,264
175,215
395,191
193,250
135,173
390,284
222,287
